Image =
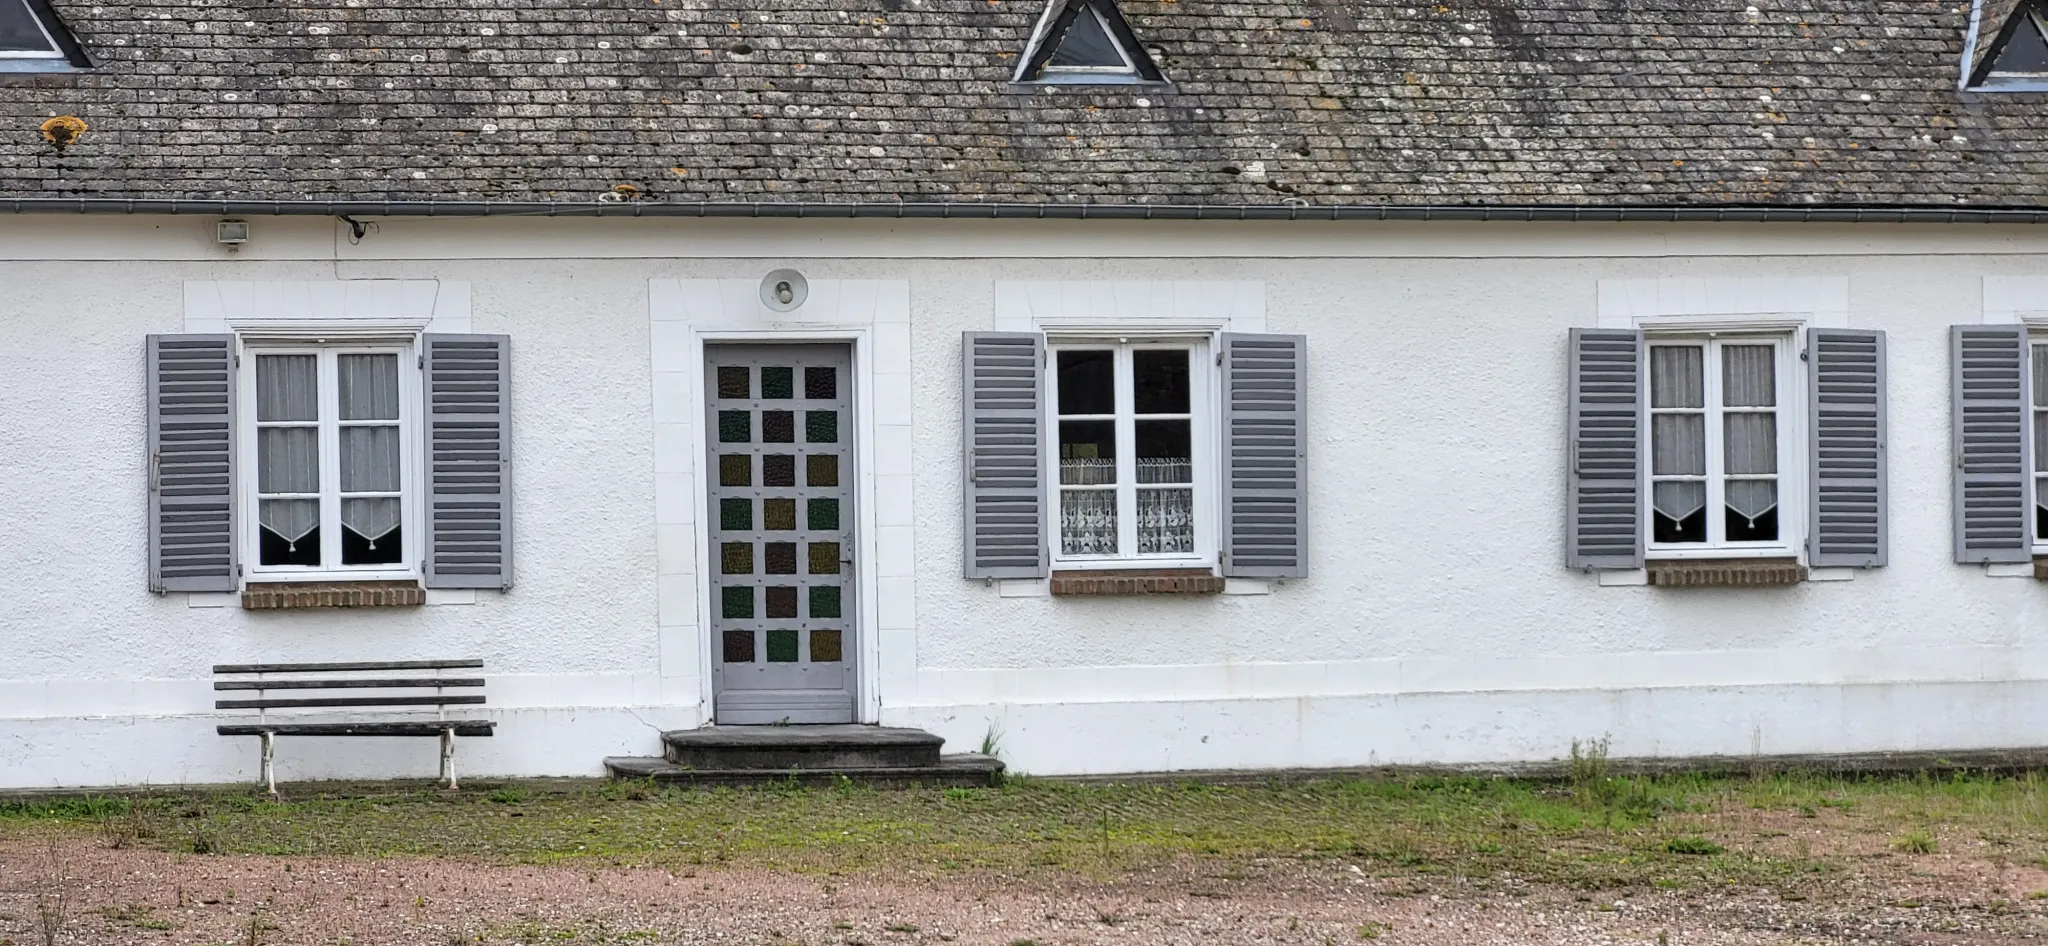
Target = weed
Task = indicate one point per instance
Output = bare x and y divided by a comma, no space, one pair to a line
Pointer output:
992,740
900,927
53,895
507,796
1371,930
1916,841
1692,844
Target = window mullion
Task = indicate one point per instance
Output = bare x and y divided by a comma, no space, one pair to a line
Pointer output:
1126,459
330,460
1714,420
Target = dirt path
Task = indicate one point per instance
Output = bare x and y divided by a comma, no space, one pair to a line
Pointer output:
132,896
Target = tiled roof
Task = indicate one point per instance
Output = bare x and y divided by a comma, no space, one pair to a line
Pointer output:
1555,102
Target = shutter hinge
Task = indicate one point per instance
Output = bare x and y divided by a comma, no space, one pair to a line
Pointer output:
239,572
1804,354
423,361
238,359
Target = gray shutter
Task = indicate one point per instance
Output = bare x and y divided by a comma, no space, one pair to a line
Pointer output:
469,461
1990,365
1265,456
191,463
1005,440
1604,492
1847,390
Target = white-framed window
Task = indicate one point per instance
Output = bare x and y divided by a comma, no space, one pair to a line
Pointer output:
1133,443
2037,400
1721,446
329,462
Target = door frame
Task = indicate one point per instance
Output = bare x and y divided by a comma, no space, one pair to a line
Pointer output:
867,706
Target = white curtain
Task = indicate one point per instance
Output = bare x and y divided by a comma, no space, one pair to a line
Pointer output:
1676,378
1088,522
1092,471
1749,376
1679,499
1166,521
1165,470
1751,498
369,386
368,390
288,458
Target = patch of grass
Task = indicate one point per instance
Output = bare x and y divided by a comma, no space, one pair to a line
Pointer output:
507,796
1916,841
1371,930
1691,844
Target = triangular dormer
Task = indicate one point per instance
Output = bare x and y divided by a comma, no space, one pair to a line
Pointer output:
1085,42
2017,55
33,39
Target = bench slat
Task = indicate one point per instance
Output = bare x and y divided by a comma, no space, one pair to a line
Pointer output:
465,727
351,701
361,683
323,668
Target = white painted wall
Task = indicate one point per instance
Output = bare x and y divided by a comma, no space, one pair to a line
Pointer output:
1438,623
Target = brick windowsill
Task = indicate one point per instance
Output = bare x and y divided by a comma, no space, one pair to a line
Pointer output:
1138,581
281,595
1726,573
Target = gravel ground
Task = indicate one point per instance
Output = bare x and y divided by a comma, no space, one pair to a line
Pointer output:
136,896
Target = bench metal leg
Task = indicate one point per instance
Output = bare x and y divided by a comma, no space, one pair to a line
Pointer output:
269,766
448,758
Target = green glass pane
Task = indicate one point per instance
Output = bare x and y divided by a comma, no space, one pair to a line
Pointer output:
738,603
778,382
778,515
736,514
824,515
782,647
735,426
826,647
821,426
735,469
733,383
825,601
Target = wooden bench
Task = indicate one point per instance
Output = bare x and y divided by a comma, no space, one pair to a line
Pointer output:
351,689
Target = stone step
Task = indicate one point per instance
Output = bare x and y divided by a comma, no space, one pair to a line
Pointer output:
819,748
966,770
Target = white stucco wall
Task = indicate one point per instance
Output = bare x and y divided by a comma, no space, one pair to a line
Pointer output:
1437,624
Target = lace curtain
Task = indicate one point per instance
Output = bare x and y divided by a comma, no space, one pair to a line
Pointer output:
368,389
1088,522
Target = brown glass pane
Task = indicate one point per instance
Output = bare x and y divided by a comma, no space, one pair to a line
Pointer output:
779,558
735,469
735,426
824,558
821,384
778,382
821,426
781,602
825,647
737,602
736,515
733,382
782,647
825,601
778,426
778,469
823,469
736,558
739,647
779,514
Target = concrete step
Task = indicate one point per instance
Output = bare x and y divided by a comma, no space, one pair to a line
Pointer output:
810,748
966,770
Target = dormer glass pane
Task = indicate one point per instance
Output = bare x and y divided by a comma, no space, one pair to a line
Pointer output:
2026,53
21,34
1087,45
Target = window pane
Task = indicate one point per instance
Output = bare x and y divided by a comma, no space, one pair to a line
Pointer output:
19,31
778,426
821,469
1752,442
778,383
288,460
824,515
1676,378
2041,375
1749,376
821,383
275,549
824,558
736,515
825,601
1159,381
735,469
1166,521
778,515
287,386
734,381
1752,511
779,558
781,602
1678,444
1088,522
290,531
1679,512
736,558
1087,382
821,427
1087,452
735,426
782,647
739,647
370,532
826,647
2041,509
369,459
1086,45
736,602
778,469
2041,441
369,386
1164,455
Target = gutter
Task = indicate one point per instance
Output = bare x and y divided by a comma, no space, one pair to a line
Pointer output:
897,210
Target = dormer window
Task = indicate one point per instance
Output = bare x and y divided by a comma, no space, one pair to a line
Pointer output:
1086,42
2016,57
32,39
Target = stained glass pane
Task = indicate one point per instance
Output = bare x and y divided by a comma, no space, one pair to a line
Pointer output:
821,384
735,469
825,601
733,382
821,427
735,426
778,469
782,647
824,558
778,382
778,426
739,647
779,558
736,558
781,602
737,603
778,515
825,647
824,469
736,514
824,515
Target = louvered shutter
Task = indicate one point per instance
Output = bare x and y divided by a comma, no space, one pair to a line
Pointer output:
1265,456
1005,433
1847,398
1989,365
191,463
1604,492
469,469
